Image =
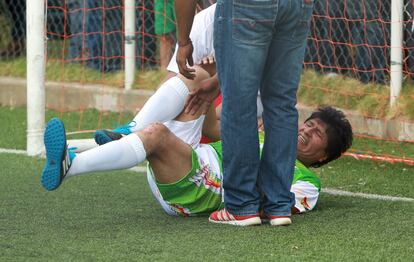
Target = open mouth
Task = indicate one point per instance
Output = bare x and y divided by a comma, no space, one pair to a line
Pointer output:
302,139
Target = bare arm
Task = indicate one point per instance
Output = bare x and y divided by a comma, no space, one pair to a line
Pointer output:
218,111
211,126
185,11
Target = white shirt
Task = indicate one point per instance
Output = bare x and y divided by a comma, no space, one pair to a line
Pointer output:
202,37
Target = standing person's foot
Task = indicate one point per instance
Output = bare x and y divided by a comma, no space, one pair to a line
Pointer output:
58,158
106,136
224,217
279,220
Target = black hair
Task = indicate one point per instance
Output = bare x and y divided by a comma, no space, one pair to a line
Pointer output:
339,132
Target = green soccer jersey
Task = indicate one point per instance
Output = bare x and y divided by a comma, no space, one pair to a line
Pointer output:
201,191
302,173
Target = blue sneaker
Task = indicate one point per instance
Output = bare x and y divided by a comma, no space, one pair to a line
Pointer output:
106,136
58,160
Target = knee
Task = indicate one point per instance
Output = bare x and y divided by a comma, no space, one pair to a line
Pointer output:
154,137
155,131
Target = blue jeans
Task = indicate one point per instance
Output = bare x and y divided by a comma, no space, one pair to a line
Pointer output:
260,44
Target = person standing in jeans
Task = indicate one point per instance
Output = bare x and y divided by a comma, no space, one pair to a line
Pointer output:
259,45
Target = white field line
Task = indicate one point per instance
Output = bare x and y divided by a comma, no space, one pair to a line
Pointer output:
13,151
337,192
330,191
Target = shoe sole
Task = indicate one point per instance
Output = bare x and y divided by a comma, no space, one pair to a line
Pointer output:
254,221
55,144
101,137
283,221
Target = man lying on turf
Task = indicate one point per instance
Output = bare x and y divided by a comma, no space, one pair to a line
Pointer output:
184,175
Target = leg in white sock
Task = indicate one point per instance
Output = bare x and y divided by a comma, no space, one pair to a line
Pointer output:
121,154
164,105
169,156
169,100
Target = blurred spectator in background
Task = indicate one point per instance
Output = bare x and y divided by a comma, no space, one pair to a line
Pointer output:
104,34
327,49
17,15
146,40
369,35
165,29
76,18
408,65
96,33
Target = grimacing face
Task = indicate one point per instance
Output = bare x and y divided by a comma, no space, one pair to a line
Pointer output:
312,141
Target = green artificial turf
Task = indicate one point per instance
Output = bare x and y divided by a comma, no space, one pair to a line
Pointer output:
368,176
383,147
113,216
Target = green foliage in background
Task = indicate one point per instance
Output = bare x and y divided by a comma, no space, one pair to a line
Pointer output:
370,100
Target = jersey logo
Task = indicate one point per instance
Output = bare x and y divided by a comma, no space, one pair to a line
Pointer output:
205,177
180,210
304,203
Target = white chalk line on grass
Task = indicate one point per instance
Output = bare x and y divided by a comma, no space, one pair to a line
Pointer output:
13,151
330,191
337,192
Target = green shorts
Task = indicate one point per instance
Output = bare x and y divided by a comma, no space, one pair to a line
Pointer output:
198,193
164,13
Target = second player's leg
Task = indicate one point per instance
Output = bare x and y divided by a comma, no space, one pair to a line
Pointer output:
166,104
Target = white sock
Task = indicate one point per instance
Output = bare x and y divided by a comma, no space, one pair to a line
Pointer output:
166,104
119,154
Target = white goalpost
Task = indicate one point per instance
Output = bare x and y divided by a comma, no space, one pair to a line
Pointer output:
396,75
129,45
36,67
36,62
